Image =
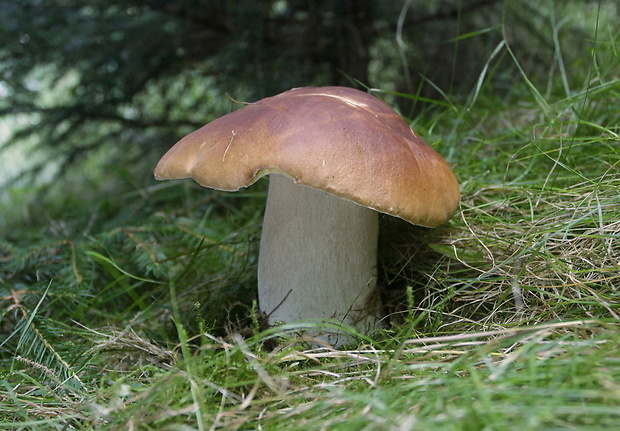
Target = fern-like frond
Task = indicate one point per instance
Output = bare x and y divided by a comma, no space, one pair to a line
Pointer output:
36,351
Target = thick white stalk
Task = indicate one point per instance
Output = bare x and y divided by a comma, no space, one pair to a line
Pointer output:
317,259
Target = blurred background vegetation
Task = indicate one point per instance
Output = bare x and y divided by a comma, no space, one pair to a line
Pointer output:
92,92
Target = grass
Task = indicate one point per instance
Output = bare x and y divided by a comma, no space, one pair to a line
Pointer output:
137,312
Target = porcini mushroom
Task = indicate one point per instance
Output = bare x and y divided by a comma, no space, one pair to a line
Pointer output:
337,157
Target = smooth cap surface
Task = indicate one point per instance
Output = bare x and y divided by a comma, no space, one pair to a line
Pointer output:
337,139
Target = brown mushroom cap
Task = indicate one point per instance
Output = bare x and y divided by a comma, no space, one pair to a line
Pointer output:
337,139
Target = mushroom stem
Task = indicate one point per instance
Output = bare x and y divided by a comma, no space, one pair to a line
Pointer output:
317,259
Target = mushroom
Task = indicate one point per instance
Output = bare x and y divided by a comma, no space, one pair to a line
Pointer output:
337,156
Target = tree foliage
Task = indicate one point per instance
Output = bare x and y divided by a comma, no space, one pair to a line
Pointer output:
120,80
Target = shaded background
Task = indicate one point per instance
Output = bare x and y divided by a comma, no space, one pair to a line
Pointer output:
95,91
